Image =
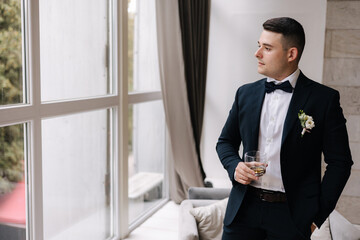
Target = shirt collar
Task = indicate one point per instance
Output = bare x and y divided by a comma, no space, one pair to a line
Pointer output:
292,78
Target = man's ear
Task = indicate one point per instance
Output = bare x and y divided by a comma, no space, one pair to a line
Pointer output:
292,54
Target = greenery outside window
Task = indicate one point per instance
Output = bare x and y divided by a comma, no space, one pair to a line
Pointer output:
11,69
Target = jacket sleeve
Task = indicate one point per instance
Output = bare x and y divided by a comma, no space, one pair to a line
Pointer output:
337,156
229,141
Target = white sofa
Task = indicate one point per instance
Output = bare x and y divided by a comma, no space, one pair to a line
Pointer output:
207,207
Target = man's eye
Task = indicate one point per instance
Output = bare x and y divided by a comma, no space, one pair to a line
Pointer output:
267,49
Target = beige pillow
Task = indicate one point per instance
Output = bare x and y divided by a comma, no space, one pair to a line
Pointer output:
323,233
210,219
341,228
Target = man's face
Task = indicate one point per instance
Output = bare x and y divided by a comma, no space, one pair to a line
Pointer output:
272,58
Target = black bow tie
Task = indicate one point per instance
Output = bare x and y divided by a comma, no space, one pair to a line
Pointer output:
271,86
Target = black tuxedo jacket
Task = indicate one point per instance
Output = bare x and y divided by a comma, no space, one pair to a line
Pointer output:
310,197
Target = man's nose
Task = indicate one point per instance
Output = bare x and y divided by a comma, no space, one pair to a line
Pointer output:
258,53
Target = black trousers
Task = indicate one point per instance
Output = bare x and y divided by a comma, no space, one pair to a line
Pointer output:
260,220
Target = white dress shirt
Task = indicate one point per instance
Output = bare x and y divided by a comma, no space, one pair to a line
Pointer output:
273,114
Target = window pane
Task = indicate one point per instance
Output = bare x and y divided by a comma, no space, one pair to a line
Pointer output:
143,65
77,176
11,79
146,157
74,38
12,183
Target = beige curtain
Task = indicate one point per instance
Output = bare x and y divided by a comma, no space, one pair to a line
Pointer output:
185,170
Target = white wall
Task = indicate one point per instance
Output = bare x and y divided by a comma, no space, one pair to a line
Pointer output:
235,27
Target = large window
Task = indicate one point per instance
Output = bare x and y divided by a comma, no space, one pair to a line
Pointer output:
12,181
74,37
147,128
11,71
13,135
77,169
75,144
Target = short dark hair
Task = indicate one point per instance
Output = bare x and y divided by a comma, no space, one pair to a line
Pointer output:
292,31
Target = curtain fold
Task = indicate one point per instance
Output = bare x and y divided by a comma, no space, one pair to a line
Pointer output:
186,170
194,22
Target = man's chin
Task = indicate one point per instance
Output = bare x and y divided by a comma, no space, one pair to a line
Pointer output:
261,71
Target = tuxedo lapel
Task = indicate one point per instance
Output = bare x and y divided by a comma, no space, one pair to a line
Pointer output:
297,103
257,99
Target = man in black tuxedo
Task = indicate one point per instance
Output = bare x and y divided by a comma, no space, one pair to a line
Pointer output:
291,199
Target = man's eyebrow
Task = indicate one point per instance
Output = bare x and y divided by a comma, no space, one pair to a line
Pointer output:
265,44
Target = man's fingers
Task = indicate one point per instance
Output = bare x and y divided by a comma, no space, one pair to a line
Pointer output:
245,171
244,174
245,181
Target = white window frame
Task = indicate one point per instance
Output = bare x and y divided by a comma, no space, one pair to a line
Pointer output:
34,111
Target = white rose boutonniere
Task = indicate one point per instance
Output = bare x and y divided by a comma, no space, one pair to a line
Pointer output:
307,122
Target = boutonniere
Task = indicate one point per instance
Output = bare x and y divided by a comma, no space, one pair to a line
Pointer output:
307,122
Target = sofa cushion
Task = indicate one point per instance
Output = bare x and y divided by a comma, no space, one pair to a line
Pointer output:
323,233
210,219
341,228
188,228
